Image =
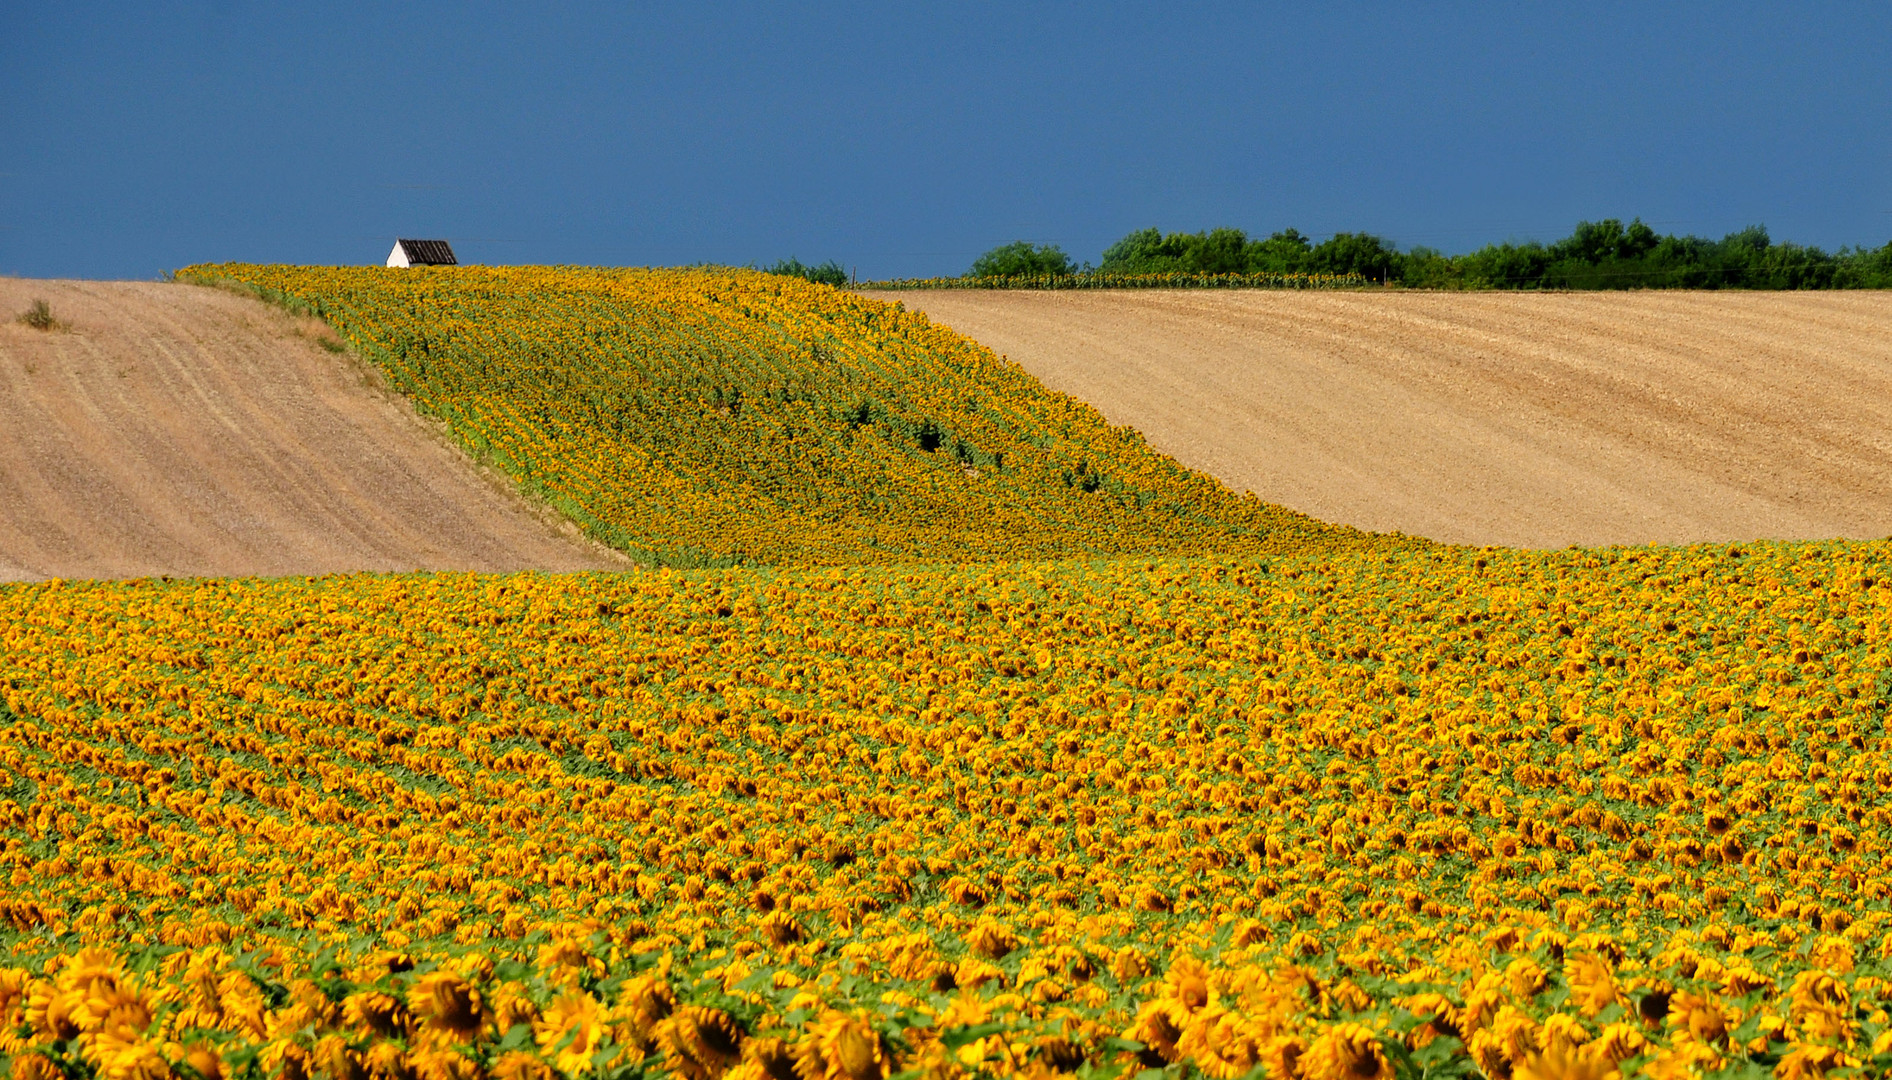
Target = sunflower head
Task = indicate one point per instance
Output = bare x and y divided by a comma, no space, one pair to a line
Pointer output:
1565,1064
1592,986
772,1058
448,1005
379,1012
842,1047
991,940
36,1067
781,929
1187,983
1221,1044
520,1065
1060,1054
700,1042
1346,1051
648,1001
204,1060
1159,1028
55,1013
571,1031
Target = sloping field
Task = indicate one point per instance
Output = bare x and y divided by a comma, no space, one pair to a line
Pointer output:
174,429
712,416
1534,420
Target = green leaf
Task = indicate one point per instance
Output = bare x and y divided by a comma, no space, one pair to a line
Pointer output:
955,1038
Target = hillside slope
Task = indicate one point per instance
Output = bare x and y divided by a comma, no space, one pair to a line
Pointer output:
173,429
712,416
1537,420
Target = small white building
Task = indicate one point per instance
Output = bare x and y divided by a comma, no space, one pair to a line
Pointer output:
421,253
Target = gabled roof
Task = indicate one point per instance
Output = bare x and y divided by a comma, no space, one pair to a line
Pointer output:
428,252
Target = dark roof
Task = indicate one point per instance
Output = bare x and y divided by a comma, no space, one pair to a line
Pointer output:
428,252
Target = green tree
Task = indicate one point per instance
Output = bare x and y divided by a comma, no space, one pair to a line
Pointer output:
1138,253
828,273
1286,252
1022,259
1356,253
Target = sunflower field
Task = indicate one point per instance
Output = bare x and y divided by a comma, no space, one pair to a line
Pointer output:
953,733
715,417
1413,812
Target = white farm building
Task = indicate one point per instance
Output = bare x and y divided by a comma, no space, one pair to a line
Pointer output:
421,253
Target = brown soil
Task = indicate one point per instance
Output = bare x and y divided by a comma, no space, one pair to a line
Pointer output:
1530,420
181,430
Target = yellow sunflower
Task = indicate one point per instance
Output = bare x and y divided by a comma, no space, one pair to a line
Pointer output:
571,1031
1346,1051
448,1006
842,1047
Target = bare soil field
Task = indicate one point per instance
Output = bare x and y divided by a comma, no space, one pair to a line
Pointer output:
1528,420
180,430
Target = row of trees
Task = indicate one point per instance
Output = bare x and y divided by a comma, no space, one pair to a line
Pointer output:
827,273
1597,255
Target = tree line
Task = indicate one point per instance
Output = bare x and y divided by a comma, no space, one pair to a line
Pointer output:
1597,255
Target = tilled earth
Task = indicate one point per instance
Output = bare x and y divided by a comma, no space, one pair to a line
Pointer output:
1530,420
181,430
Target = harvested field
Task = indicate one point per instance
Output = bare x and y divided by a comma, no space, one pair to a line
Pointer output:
181,430
1530,420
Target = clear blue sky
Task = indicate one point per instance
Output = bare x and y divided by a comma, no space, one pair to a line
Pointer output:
136,138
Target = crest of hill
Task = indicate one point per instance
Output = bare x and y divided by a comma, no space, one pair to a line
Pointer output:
720,417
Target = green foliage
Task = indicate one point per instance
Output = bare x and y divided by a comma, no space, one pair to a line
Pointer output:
828,273
1230,251
1603,254
1100,279
1022,259
40,317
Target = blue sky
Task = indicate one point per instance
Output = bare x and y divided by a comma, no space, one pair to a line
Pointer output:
905,140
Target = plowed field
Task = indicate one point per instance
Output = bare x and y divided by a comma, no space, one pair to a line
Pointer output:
1535,420
174,429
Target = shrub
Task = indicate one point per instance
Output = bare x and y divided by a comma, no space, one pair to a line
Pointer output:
1022,259
828,273
40,317
1604,254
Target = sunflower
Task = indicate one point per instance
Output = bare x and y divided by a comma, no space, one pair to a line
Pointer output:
54,1013
203,1059
1565,1063
448,1005
1221,1044
1346,1051
842,1047
379,1012
1810,1062
1187,984
123,1054
700,1043
1060,1053
571,1031
771,1059
991,940
1618,1042
1442,1019
388,1060
1281,1057
286,1060
520,1065
1159,1027
1700,1017
1592,987
646,1001
335,1058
